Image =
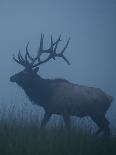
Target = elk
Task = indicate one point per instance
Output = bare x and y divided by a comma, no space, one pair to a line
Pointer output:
59,96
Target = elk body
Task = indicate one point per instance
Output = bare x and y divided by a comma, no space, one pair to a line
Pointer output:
59,96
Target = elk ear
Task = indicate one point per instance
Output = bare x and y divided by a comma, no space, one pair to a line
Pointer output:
36,70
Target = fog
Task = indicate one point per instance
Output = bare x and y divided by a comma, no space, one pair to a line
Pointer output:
91,24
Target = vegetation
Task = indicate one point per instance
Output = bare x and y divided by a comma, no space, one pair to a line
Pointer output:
20,137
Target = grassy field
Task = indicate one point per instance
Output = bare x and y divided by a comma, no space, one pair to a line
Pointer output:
20,137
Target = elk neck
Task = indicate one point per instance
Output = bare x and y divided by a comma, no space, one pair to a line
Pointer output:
38,90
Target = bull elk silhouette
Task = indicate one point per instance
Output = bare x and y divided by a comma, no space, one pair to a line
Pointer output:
59,96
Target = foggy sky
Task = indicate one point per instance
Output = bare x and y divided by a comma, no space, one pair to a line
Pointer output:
91,24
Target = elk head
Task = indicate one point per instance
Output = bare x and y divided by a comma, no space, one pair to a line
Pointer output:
32,64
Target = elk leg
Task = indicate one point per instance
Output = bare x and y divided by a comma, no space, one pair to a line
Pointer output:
46,118
106,128
98,131
67,121
102,123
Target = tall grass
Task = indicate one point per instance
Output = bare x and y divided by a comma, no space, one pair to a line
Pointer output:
21,137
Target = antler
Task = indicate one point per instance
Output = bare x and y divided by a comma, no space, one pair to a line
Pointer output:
29,62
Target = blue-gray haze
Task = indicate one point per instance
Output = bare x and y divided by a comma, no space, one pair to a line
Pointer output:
91,24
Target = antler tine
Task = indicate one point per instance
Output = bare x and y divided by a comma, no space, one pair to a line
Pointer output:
24,62
19,59
27,52
56,43
20,56
41,42
27,55
66,59
61,54
15,59
51,49
52,44
65,46
40,50
58,40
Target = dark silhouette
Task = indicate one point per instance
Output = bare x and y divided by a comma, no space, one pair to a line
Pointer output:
60,96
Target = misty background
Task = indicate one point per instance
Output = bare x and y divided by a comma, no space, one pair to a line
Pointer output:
91,24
